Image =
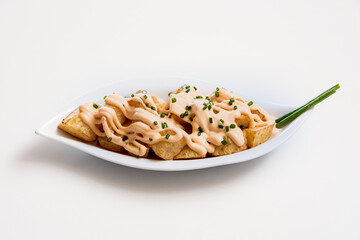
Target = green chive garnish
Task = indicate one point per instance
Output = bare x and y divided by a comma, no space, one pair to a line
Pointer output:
199,133
187,90
132,95
188,107
211,120
182,115
289,117
217,89
109,139
95,106
173,100
145,96
105,97
195,88
147,104
200,129
223,142
167,136
250,103
162,115
199,97
217,94
235,107
153,108
164,125
227,128
191,119
209,107
221,126
232,126
150,139
170,93
155,123
188,86
221,120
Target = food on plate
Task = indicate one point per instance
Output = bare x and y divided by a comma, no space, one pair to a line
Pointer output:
188,125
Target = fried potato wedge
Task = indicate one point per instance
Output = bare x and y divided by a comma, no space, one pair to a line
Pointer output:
73,125
229,148
168,150
243,120
257,136
188,153
103,142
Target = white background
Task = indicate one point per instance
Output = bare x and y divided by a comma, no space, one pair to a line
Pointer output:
53,51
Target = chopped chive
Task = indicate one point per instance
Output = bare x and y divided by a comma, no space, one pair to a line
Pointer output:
187,87
132,95
105,97
188,107
211,120
250,103
221,126
221,120
95,105
170,93
232,125
182,115
155,123
173,100
231,101
199,97
186,113
242,127
162,115
209,107
167,136
153,108
164,125
187,90
191,119
195,88
124,138
109,139
235,107
147,104
199,133
150,139
224,142
217,94
145,96
217,89
200,129
227,128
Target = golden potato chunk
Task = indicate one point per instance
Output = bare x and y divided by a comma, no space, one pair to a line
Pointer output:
168,150
257,136
229,148
188,153
243,120
103,142
73,125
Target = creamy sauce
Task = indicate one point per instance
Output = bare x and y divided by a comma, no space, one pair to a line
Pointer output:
211,117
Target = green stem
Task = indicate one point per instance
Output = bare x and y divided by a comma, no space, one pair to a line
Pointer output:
334,88
287,118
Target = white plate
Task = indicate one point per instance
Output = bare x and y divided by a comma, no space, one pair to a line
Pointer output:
160,87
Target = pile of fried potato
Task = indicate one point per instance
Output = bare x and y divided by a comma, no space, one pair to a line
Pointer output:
73,125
